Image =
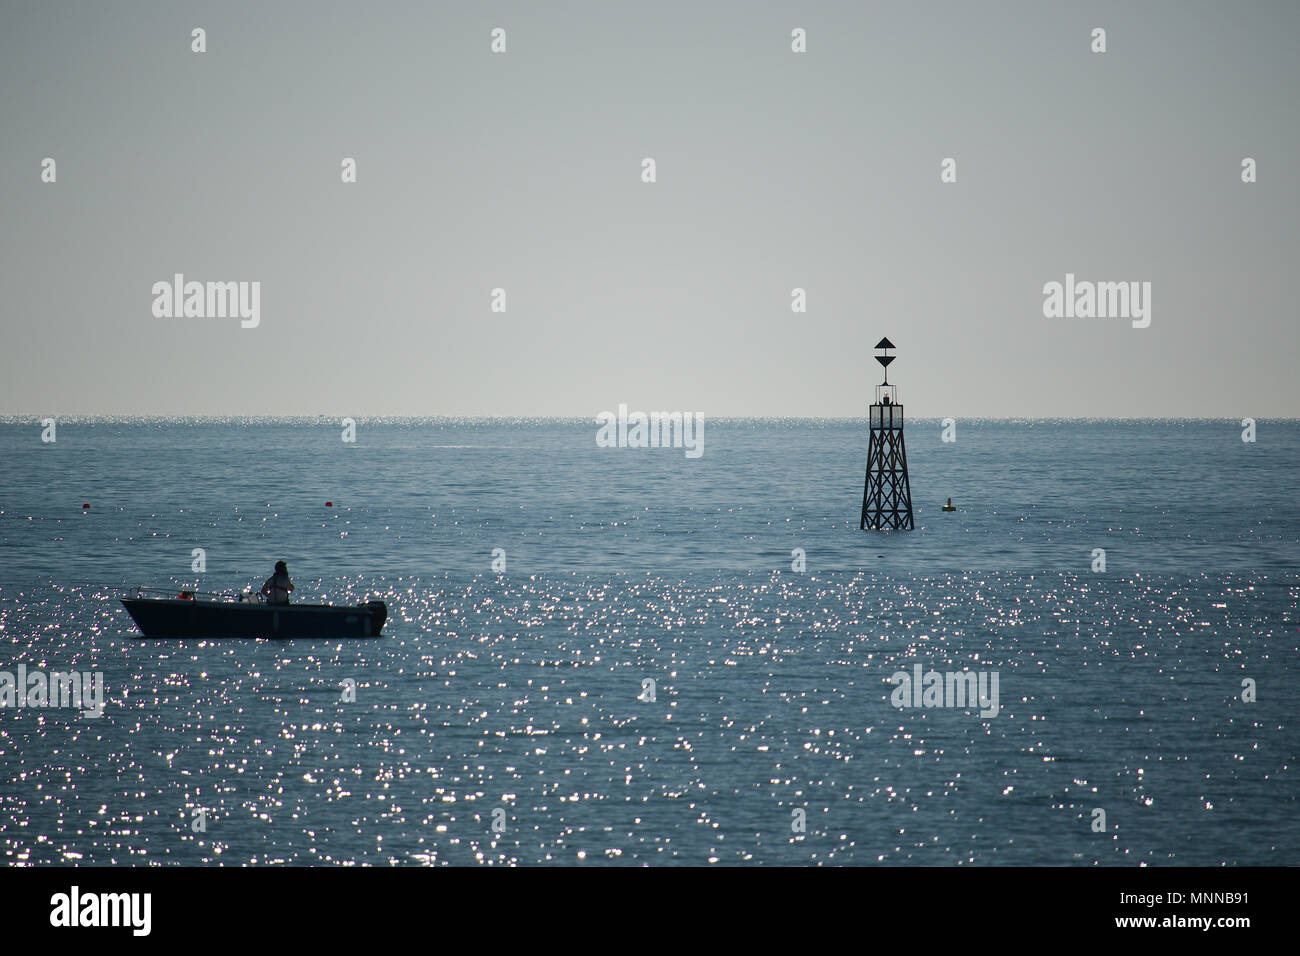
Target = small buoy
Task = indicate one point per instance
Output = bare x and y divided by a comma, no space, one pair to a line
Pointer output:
85,507
950,506
329,504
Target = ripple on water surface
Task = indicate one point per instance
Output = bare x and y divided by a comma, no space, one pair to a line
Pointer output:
506,719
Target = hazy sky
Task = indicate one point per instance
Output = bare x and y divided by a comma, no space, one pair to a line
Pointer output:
775,170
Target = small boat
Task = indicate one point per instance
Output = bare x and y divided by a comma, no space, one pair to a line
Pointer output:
196,614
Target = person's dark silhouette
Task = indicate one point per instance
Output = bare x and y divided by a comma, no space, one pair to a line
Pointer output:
277,587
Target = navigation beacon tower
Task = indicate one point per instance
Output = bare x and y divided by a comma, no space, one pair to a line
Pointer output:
887,494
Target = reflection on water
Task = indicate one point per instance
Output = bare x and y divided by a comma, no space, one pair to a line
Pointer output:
520,693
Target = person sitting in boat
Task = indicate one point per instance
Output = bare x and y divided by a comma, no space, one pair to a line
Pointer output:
277,587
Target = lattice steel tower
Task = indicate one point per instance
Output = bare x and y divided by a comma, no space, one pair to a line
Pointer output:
887,495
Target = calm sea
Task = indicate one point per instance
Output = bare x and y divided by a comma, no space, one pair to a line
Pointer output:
507,717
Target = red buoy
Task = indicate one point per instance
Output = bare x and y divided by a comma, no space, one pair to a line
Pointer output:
85,506
329,504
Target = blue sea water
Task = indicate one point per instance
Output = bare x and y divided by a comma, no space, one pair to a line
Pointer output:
520,692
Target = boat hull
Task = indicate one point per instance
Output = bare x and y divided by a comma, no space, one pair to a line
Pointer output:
209,619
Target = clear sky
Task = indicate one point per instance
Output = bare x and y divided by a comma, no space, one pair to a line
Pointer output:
775,170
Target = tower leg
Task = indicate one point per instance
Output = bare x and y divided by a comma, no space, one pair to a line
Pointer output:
887,490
